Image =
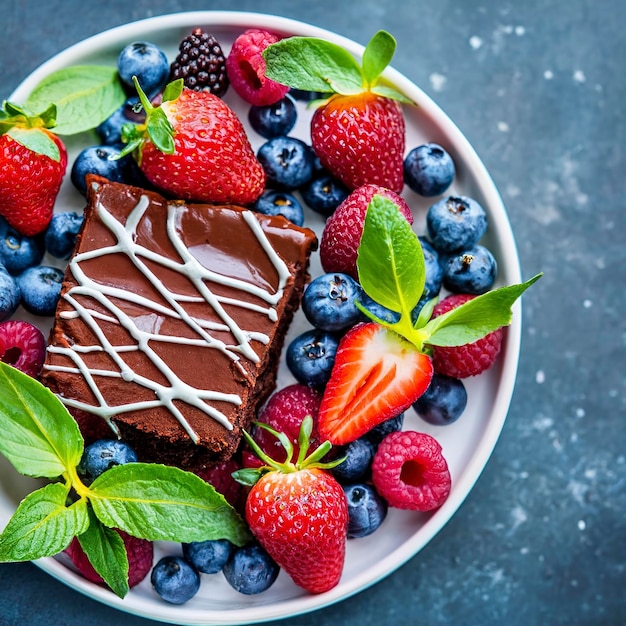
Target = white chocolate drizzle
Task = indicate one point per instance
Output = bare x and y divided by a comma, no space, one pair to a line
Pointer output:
165,395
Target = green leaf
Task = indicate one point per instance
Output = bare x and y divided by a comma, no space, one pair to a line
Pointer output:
85,95
313,64
377,55
161,131
159,502
36,140
39,437
104,547
42,525
173,90
477,317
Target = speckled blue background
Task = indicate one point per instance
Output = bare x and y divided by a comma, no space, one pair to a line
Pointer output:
538,87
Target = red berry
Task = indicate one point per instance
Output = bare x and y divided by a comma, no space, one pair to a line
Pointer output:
23,346
469,359
140,556
343,230
221,477
245,66
410,472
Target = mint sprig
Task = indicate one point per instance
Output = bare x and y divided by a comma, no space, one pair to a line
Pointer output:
41,439
314,64
391,270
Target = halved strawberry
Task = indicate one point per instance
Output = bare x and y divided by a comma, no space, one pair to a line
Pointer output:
377,374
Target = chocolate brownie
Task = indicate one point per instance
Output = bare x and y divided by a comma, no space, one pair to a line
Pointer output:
171,320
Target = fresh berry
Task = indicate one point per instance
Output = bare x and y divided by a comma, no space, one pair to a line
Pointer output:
10,296
201,63
147,62
33,162
140,553
19,252
455,223
246,68
250,570
274,120
208,557
275,202
304,95
298,513
433,268
410,472
40,289
471,271
221,477
324,194
310,357
366,510
343,230
357,459
23,346
175,579
469,359
287,161
377,374
443,402
378,433
110,130
329,302
284,412
382,313
60,236
102,455
102,161
206,158
428,170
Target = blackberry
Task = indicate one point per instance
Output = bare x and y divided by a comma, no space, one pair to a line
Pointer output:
201,64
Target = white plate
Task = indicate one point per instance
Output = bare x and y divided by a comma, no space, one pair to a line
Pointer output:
467,444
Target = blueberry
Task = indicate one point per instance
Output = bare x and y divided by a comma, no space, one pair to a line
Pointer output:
358,458
307,96
110,131
147,62
102,455
443,402
250,570
100,160
311,355
329,302
428,170
40,287
275,202
366,510
9,294
19,252
287,161
324,194
378,433
60,236
471,271
455,223
433,270
175,579
381,312
274,120
208,557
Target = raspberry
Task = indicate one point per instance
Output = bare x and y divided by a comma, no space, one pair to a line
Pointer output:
201,64
469,359
284,412
220,476
140,556
23,346
410,472
246,69
344,228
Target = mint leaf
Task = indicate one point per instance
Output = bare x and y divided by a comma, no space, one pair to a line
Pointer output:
36,140
39,437
313,64
477,317
390,260
42,525
161,131
159,502
377,55
173,90
85,95
104,547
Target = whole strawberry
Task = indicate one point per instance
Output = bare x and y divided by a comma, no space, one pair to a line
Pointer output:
194,147
359,132
298,512
33,162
